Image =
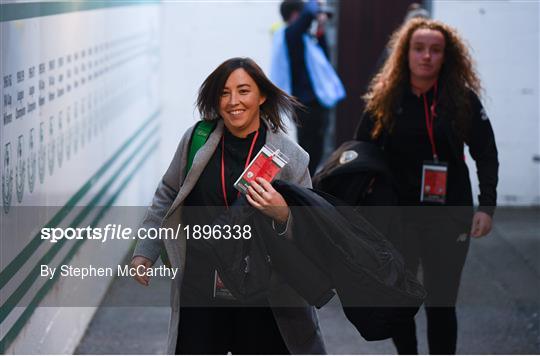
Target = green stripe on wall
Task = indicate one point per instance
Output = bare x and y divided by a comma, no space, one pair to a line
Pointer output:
21,321
21,11
12,268
19,293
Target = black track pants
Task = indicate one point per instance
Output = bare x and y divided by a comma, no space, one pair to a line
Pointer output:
437,242
219,330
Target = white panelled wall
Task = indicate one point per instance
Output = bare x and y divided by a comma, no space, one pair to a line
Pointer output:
505,41
79,123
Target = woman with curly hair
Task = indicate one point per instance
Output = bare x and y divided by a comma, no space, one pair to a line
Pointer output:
421,109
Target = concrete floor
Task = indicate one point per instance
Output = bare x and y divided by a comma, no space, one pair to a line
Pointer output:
498,309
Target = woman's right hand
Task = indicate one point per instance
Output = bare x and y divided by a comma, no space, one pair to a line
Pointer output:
481,224
138,261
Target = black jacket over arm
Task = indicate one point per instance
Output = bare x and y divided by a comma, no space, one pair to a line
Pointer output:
333,247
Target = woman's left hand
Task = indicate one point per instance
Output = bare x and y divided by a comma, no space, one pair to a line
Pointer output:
262,196
481,224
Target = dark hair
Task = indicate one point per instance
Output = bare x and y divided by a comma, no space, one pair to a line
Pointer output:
288,7
277,101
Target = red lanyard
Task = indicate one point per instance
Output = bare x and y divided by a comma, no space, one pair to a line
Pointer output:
223,188
429,121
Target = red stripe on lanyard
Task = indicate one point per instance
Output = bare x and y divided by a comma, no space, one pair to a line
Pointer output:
223,188
429,121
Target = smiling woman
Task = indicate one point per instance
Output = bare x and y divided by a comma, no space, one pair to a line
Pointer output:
246,108
239,93
239,83
240,102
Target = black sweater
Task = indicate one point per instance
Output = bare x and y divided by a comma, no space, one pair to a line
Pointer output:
407,146
204,204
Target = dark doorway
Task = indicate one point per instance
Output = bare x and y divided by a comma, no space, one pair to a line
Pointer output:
364,29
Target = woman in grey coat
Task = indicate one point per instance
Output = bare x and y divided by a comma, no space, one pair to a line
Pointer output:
247,108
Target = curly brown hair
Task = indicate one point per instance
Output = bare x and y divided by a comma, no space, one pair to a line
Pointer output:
457,78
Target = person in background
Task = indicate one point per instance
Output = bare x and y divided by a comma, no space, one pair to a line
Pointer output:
416,11
422,107
302,82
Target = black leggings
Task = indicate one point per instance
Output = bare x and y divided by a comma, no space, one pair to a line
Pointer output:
439,243
219,330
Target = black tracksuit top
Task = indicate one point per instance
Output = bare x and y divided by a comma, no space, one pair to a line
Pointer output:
407,146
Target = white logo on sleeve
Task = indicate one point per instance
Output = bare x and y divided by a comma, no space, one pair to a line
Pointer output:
483,114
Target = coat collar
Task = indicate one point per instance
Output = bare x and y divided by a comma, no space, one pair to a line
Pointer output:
204,155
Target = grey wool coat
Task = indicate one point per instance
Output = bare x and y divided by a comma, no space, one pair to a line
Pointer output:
299,324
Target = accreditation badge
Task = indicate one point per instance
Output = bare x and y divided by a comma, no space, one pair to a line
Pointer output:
266,164
434,177
220,291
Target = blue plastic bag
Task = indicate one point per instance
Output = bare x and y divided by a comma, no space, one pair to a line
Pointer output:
325,81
